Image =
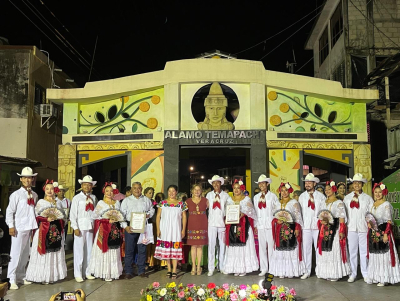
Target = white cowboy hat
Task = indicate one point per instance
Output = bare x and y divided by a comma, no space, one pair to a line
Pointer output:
263,178
358,178
27,172
60,187
87,179
311,178
216,178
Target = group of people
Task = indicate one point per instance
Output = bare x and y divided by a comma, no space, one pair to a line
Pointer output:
287,229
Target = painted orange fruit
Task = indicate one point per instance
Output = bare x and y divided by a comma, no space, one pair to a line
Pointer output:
152,123
124,99
155,99
296,118
275,120
272,95
144,106
284,107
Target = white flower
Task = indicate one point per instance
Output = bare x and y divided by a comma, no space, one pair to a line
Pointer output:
287,186
114,186
200,292
55,184
163,292
242,294
240,182
332,183
382,186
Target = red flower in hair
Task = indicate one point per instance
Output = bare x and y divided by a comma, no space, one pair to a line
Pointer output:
47,182
287,185
332,184
240,182
382,186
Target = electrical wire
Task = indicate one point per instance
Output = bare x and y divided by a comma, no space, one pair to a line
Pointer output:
305,64
263,41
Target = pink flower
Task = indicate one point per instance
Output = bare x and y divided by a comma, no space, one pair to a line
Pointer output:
181,294
287,232
156,284
225,286
292,292
141,292
273,287
190,285
234,297
282,295
331,232
242,286
291,231
378,234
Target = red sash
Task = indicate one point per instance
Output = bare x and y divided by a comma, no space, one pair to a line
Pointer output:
342,241
104,228
43,230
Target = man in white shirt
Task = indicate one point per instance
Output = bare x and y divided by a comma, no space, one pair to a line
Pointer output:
357,204
135,203
265,204
81,217
65,203
21,220
217,200
311,202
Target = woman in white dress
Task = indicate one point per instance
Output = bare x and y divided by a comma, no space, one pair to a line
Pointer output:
105,260
171,228
240,254
287,259
47,260
332,264
383,265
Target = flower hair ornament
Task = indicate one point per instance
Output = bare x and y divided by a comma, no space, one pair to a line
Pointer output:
113,186
332,184
382,187
55,184
287,185
240,182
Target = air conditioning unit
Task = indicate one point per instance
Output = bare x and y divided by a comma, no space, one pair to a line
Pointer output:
47,110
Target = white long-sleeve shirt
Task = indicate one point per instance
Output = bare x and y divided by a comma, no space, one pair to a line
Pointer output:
216,216
66,205
19,214
356,217
265,215
140,204
310,217
79,217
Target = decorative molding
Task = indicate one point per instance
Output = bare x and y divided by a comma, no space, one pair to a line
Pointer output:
309,145
117,146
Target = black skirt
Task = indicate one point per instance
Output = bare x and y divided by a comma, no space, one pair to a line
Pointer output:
327,242
375,242
287,239
234,234
114,238
53,237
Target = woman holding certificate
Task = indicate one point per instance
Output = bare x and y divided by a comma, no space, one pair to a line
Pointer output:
171,228
287,259
105,261
240,254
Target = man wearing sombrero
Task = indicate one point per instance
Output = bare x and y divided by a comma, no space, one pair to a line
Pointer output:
357,203
217,200
82,206
265,204
311,202
21,220
65,203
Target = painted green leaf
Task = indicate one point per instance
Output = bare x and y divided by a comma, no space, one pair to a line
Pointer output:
300,129
121,128
144,167
112,111
304,115
318,110
125,115
296,99
134,128
324,129
99,117
332,117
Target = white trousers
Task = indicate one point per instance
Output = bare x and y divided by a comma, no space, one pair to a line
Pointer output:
20,247
265,248
358,240
309,237
82,251
213,232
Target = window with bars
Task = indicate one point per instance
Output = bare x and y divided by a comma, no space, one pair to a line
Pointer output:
336,24
323,46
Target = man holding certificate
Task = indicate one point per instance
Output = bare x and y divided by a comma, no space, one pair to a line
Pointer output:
137,209
217,200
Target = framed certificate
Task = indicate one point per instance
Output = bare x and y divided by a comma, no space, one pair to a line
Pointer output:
138,222
232,214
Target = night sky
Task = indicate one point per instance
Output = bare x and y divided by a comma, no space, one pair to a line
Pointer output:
141,36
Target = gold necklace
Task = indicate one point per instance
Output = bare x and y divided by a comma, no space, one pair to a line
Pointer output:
111,203
197,204
52,201
375,207
284,203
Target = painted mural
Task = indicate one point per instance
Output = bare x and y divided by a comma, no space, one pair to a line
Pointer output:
67,168
147,167
140,113
284,166
288,112
362,164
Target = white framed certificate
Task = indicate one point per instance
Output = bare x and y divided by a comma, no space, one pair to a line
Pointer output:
232,214
138,222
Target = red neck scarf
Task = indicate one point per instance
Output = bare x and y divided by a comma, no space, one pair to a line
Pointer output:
311,201
262,203
216,201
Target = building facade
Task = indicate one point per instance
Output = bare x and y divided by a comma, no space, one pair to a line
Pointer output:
146,127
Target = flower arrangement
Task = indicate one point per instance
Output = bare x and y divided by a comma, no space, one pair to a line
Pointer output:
113,214
211,291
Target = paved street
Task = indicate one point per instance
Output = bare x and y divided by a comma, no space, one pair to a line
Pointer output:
310,289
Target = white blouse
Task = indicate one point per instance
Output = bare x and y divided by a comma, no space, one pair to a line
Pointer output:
102,207
294,208
383,213
337,209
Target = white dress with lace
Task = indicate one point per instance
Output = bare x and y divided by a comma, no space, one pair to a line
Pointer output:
330,264
106,265
380,268
287,263
51,266
243,259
